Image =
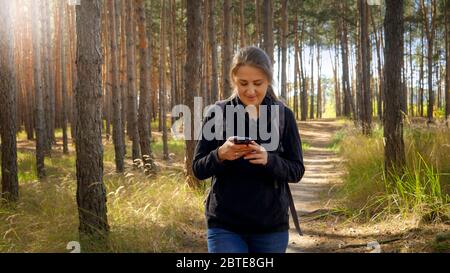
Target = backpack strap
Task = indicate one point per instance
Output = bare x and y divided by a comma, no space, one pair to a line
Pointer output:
291,199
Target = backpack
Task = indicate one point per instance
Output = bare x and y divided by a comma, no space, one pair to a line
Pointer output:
280,149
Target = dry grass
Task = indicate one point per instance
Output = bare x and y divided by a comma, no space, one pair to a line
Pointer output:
145,213
422,191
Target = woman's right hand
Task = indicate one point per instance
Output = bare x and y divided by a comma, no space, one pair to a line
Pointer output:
231,151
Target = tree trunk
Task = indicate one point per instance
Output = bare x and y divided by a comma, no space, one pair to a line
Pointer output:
162,79
8,122
133,131
304,91
296,69
411,68
121,19
447,60
319,84
173,59
311,107
91,194
379,69
430,26
45,75
258,22
39,103
268,28
63,83
213,48
421,75
242,40
107,71
193,75
393,124
116,100
227,49
337,93
348,109
284,33
144,97
365,64
204,88
73,72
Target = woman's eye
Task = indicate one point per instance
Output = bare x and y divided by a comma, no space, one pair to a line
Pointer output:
244,84
258,84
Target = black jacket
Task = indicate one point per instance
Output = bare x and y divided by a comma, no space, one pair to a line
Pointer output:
248,198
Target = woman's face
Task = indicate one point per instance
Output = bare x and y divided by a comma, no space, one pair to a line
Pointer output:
251,84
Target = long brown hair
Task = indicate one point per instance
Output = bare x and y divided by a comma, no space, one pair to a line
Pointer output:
255,57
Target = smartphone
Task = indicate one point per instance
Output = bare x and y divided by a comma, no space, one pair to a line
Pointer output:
242,140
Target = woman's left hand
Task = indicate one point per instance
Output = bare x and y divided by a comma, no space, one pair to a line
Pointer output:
259,156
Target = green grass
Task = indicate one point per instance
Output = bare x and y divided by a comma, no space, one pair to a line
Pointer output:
305,146
423,188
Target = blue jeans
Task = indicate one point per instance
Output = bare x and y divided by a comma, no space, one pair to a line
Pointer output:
225,241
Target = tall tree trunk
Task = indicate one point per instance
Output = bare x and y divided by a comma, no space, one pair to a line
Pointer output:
337,93
411,71
365,63
162,80
213,48
144,119
311,107
91,194
73,72
296,69
193,75
421,75
52,73
242,40
173,59
8,111
447,60
204,88
121,18
284,33
430,26
348,105
393,124
379,69
39,103
227,49
304,92
63,76
46,75
133,132
116,100
319,84
258,22
268,28
107,71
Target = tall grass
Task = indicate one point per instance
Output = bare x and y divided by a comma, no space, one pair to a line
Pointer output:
157,213
421,190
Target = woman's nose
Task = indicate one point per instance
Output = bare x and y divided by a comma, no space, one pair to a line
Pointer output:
251,90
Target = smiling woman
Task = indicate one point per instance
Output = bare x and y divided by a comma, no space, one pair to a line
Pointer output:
247,207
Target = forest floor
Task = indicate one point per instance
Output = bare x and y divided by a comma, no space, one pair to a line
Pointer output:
178,225
316,199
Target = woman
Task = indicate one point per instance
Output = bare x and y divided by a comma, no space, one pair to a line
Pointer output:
247,206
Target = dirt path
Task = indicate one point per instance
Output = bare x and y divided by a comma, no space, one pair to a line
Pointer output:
322,173
314,196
